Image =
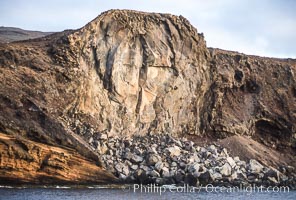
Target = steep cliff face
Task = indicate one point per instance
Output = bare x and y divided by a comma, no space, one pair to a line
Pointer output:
130,72
142,72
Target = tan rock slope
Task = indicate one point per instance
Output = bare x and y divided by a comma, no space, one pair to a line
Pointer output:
130,72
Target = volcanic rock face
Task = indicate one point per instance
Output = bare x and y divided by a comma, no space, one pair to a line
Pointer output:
128,73
143,72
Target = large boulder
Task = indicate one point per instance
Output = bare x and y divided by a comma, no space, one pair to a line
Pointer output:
174,151
152,159
225,170
136,159
206,178
255,166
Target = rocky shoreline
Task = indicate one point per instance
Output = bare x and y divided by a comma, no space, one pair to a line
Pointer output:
163,159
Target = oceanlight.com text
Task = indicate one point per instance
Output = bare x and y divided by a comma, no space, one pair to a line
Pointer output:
154,188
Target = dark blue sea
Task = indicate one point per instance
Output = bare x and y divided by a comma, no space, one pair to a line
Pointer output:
132,192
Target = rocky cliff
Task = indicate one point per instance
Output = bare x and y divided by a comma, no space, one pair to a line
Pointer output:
131,73
134,66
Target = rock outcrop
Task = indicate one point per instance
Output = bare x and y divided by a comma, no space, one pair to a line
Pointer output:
26,162
134,66
130,73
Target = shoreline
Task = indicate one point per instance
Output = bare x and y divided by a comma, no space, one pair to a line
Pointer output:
129,187
165,160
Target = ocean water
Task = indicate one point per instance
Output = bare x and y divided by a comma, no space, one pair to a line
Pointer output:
108,193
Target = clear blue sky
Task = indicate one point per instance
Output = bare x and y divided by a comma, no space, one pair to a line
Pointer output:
261,27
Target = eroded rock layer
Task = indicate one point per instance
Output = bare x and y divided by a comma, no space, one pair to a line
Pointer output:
26,162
